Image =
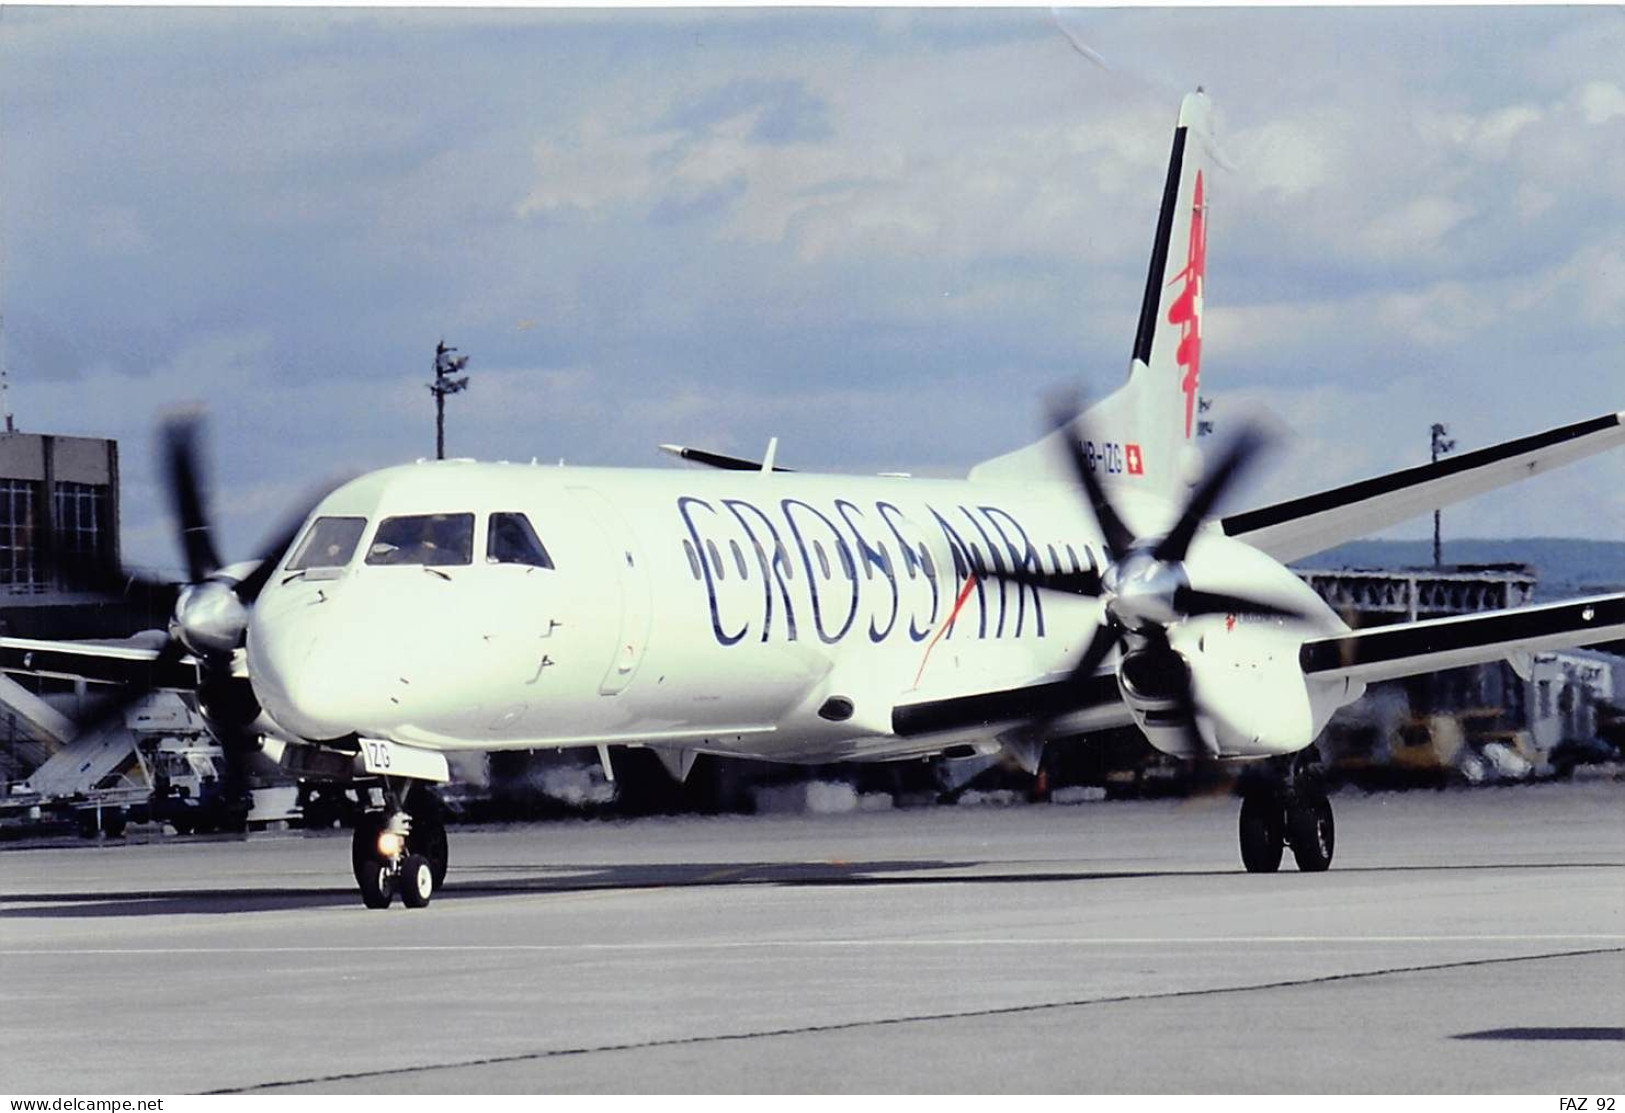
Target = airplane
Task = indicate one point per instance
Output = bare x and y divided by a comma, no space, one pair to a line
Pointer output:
1079,583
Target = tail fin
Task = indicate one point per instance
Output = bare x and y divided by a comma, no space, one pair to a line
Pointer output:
1142,429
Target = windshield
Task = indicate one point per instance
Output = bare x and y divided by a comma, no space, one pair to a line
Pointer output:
511,540
330,543
430,539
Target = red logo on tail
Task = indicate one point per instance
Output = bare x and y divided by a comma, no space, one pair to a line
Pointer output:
1186,311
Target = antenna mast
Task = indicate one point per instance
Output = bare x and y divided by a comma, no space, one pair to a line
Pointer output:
1441,445
446,367
5,379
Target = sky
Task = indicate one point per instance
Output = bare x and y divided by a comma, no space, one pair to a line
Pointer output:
881,236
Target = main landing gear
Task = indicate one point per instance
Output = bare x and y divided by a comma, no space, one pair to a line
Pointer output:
1287,809
401,849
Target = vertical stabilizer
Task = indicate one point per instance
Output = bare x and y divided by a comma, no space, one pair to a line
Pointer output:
1137,436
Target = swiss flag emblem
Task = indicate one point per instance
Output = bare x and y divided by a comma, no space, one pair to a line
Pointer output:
1131,457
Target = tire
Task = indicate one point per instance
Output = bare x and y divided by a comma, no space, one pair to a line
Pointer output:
364,841
416,881
1311,831
377,887
428,836
113,822
1262,833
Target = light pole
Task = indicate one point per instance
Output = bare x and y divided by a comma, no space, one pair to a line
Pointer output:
1440,447
446,367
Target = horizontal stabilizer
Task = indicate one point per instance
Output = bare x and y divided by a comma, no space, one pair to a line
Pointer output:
716,459
1303,526
1388,652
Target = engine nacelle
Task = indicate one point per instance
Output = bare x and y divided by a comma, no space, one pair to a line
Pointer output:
1252,697
1152,680
209,618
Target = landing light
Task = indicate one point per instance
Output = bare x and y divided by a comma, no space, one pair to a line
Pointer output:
390,843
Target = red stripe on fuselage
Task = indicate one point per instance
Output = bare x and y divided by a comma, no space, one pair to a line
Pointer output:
953,615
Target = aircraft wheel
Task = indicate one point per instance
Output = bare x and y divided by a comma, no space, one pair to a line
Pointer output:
1311,830
364,841
428,836
1262,832
377,886
417,881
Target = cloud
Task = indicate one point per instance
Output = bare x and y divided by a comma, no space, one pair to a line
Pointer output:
597,172
1600,101
878,235
779,110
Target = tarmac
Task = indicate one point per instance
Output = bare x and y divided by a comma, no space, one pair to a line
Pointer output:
1462,942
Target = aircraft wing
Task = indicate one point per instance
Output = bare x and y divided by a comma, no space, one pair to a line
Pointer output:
1404,649
1075,707
1303,526
128,662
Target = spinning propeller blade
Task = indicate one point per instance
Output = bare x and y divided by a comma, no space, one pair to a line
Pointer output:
227,701
183,474
1138,623
1063,414
1241,451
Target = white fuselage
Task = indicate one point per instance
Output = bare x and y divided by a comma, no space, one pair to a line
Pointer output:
723,611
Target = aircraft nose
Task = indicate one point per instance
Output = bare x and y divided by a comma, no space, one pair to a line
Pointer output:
307,679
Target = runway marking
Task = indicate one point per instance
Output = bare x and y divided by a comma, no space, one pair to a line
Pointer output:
923,1018
829,944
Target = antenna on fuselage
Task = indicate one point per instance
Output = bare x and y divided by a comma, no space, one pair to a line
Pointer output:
771,455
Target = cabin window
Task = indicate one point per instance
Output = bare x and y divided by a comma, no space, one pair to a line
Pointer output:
785,563
739,560
510,539
926,562
424,539
330,543
693,558
716,560
823,559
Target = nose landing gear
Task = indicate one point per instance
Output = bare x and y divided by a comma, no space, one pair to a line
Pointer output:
399,850
1289,808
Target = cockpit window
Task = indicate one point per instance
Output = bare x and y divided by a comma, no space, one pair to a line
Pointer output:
429,539
511,540
330,543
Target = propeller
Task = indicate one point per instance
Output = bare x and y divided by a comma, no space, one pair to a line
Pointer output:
209,615
1145,587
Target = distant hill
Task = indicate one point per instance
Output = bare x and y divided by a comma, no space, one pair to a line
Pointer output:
1565,567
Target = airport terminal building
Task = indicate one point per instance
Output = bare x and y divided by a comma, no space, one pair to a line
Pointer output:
59,503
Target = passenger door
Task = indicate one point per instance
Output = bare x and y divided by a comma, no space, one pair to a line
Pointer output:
636,601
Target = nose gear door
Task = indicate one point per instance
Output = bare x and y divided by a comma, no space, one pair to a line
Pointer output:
636,602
